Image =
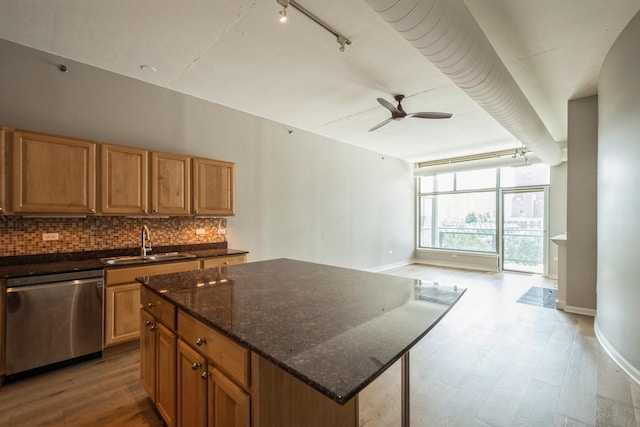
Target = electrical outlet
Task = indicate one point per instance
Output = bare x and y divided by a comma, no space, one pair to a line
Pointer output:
50,236
200,231
222,231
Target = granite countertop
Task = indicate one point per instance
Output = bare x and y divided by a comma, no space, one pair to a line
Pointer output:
336,329
33,265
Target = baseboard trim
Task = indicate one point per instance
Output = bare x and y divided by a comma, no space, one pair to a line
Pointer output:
561,305
455,265
627,367
389,266
580,310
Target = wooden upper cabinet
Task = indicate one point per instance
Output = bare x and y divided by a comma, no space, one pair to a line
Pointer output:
124,177
213,187
53,174
170,184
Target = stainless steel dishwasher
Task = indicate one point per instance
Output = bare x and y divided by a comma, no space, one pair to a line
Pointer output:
53,318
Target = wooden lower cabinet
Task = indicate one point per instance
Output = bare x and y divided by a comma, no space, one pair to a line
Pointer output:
227,403
225,261
122,299
147,354
158,365
192,387
166,344
122,303
2,331
206,396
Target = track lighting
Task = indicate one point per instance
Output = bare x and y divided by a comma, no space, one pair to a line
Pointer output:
283,12
342,40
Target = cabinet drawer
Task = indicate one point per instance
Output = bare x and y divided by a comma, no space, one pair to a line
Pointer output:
160,308
226,355
125,275
223,261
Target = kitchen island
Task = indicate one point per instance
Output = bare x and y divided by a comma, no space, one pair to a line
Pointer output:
282,342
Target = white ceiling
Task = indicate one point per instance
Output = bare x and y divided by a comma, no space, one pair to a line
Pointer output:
237,54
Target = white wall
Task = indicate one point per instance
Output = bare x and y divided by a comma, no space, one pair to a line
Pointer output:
619,200
299,195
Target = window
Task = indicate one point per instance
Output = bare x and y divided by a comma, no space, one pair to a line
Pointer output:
458,211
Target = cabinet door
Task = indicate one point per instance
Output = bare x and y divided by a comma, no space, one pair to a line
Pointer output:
148,353
170,184
166,374
121,318
229,405
53,174
213,187
192,387
124,174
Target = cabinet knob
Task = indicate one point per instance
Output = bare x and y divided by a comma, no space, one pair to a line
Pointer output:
155,211
154,327
201,341
147,323
145,211
195,366
92,210
1,210
150,305
196,211
226,263
205,375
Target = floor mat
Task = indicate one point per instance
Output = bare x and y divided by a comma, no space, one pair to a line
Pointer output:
540,297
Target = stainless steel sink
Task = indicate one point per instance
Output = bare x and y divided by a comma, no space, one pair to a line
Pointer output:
140,259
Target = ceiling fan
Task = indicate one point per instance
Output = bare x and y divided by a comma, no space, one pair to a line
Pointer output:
398,113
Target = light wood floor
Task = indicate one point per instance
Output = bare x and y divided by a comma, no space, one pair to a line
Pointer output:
490,362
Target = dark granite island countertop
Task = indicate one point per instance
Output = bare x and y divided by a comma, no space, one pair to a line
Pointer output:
336,329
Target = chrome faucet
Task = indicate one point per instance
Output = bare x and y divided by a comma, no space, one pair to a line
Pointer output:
146,241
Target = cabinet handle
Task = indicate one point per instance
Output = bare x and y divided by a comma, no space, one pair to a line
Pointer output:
150,305
195,366
205,375
201,341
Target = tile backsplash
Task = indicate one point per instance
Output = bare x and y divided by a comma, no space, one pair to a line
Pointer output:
23,236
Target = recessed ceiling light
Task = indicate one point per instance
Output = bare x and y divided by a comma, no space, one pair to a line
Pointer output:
148,68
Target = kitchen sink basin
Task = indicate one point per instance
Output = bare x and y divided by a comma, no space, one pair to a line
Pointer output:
141,259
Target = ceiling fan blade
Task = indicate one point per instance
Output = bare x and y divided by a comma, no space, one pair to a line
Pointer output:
379,125
389,106
430,115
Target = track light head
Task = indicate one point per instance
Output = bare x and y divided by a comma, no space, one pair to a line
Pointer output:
283,12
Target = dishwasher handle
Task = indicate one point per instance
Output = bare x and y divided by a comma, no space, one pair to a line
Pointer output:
99,282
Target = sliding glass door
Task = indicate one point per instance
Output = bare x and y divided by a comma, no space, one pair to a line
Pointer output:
524,230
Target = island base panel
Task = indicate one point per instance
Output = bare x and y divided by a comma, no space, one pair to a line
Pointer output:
286,401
